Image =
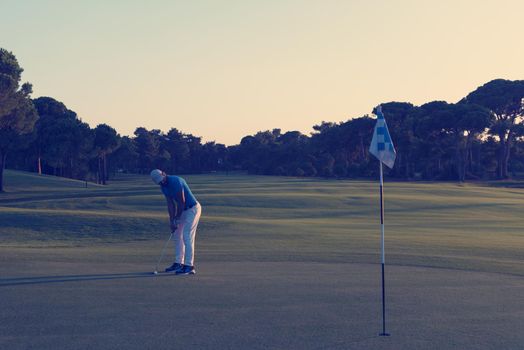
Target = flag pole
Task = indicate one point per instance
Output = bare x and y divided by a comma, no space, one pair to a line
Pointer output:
384,334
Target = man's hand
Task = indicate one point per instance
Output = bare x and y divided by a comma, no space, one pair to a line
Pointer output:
174,226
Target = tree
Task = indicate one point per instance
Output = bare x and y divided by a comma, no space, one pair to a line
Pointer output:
504,98
125,157
179,151
105,142
341,149
17,113
147,146
286,151
10,75
63,143
446,131
195,150
399,116
214,157
471,122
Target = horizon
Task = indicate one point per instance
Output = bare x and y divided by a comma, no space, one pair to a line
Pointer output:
222,72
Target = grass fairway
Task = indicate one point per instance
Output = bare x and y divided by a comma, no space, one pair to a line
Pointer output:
256,218
283,263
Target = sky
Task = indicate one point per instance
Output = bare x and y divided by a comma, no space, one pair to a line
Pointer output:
224,69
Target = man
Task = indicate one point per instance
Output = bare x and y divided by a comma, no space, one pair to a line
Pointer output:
184,213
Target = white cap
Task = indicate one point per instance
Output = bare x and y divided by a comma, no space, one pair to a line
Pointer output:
157,176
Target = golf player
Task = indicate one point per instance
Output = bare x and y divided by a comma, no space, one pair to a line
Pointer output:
184,213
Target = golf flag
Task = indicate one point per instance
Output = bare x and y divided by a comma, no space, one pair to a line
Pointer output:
382,148
381,144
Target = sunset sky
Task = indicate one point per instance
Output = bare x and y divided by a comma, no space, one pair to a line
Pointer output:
223,69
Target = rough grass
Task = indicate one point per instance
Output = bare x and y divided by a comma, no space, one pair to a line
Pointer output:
257,218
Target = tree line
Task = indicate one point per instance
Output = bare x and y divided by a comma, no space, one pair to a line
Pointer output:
479,137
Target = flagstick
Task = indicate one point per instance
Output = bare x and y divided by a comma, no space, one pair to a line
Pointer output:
384,334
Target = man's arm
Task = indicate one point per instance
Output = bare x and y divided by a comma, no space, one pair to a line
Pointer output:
180,203
175,207
172,210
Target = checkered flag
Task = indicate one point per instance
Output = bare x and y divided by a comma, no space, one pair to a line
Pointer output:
381,144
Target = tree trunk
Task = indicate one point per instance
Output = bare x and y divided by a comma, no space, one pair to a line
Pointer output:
39,165
479,168
100,175
3,157
503,156
507,152
408,168
470,159
362,148
461,164
462,158
104,177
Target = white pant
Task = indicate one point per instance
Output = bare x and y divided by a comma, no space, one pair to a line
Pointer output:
184,236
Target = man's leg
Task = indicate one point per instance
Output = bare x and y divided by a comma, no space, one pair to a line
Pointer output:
179,250
179,244
190,227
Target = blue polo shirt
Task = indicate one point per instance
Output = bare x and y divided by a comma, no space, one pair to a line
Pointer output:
176,184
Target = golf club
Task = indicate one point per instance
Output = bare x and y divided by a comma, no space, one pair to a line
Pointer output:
162,255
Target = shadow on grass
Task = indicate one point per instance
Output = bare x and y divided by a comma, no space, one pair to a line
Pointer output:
18,281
